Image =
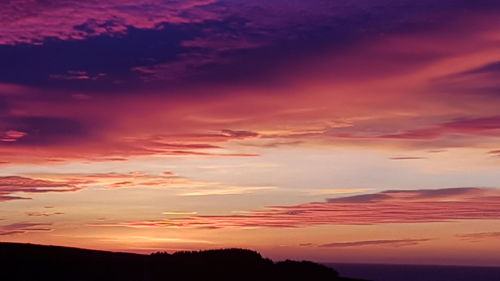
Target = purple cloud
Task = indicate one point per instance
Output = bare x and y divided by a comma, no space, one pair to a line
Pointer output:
34,22
389,243
24,227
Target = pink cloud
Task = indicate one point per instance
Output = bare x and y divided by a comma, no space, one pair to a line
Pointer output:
12,136
318,101
166,180
15,184
103,148
393,206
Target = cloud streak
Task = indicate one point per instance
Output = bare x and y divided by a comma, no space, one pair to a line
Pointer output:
388,207
24,227
377,243
9,186
45,183
479,236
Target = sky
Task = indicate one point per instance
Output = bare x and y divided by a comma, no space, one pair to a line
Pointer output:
361,131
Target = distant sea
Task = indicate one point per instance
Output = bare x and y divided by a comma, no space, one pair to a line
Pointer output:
389,272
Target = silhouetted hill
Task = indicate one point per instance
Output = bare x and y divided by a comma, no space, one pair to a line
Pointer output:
27,262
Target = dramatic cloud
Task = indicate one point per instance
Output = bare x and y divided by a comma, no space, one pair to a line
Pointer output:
394,206
33,22
191,78
26,21
242,98
389,243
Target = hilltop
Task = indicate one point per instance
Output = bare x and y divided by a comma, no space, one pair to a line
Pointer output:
28,262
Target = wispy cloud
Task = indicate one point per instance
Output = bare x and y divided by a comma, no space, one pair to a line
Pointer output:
10,186
479,236
44,183
407,158
226,190
388,207
342,190
179,213
24,227
377,243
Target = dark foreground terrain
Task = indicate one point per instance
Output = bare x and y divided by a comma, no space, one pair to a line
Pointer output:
29,262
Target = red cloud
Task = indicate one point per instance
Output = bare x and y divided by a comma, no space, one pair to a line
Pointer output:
394,206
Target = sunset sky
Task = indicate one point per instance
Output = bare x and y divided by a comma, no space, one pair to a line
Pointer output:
362,131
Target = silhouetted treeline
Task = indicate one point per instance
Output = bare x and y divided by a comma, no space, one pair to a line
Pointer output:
27,262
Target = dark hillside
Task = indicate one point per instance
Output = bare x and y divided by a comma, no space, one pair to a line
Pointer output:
27,262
